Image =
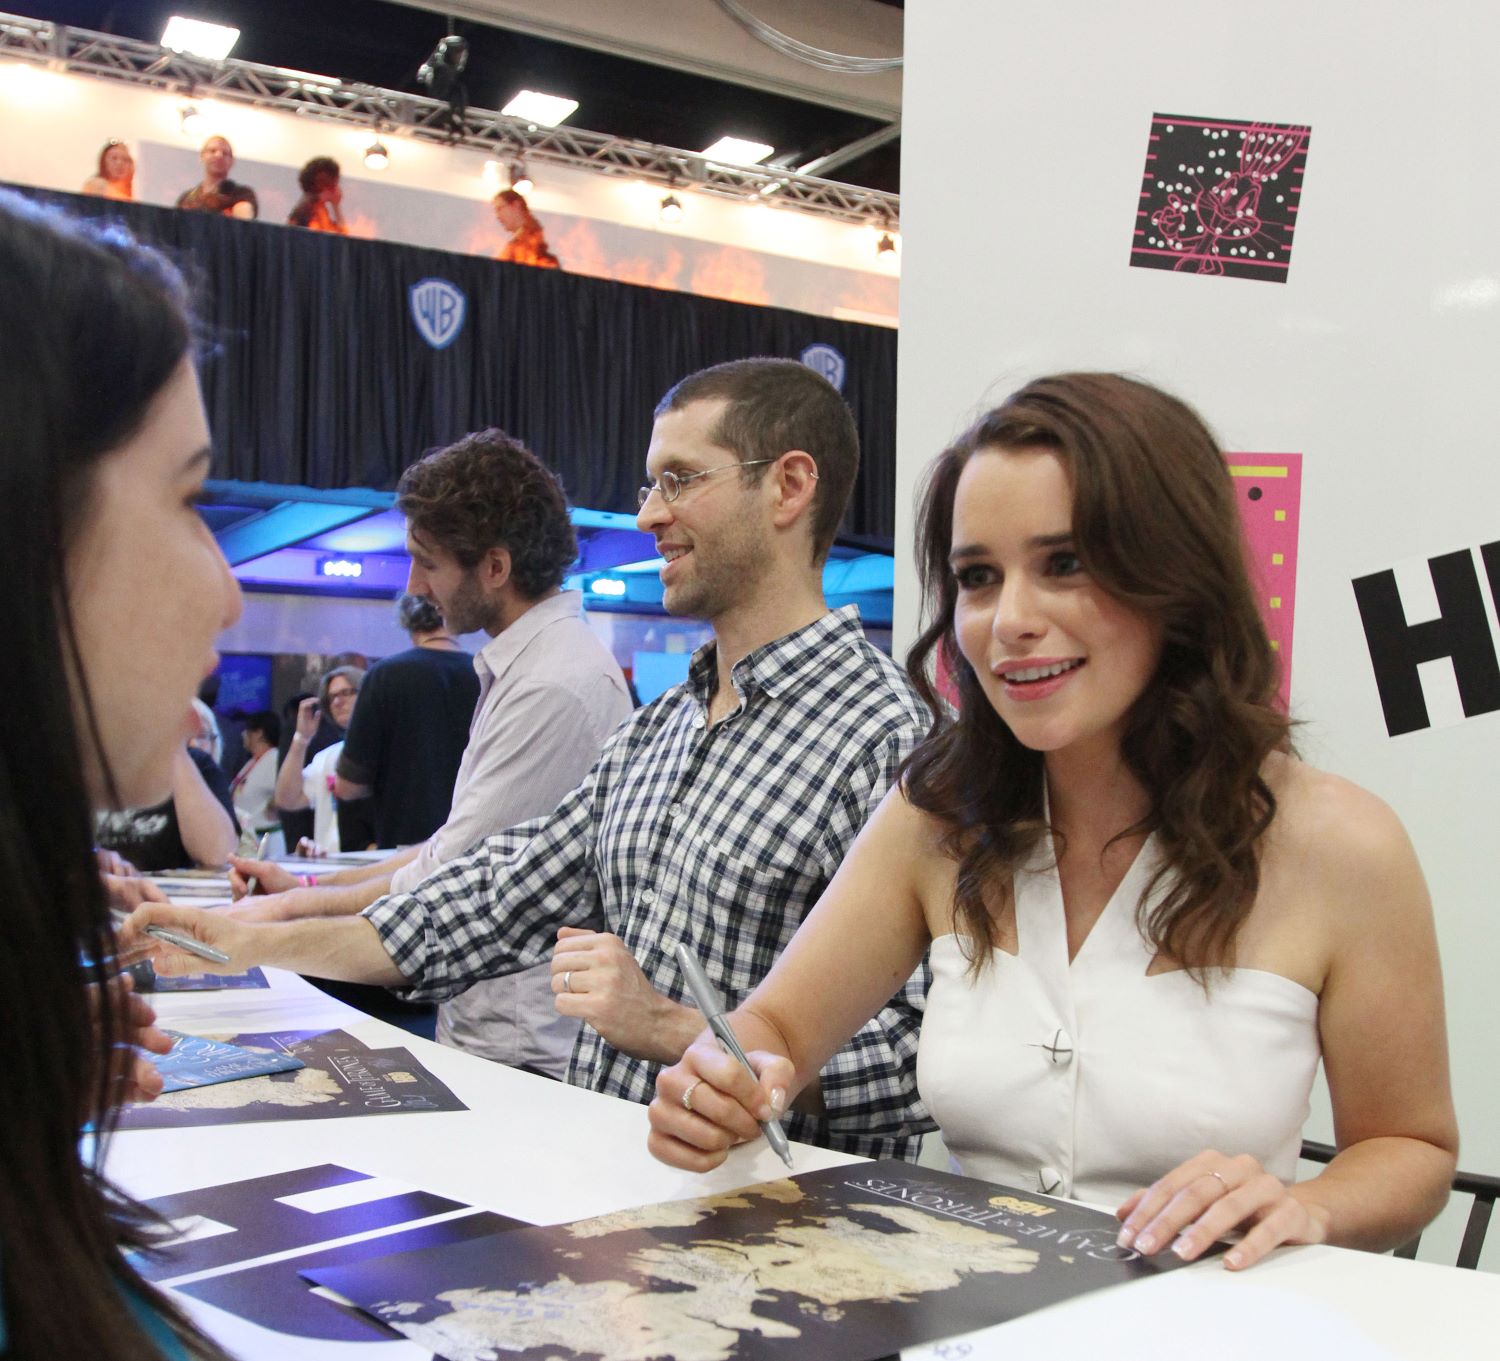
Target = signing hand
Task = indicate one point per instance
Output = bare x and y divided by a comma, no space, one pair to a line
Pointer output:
269,877
212,928
708,1103
308,715
595,978
1201,1200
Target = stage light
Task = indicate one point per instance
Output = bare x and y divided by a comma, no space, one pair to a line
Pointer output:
199,39
347,568
520,181
191,122
441,75
376,156
607,586
545,111
886,245
737,151
670,210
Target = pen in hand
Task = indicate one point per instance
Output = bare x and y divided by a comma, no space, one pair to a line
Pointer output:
708,1001
260,854
176,938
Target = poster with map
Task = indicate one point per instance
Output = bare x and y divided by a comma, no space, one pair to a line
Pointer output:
239,1246
847,1264
339,1076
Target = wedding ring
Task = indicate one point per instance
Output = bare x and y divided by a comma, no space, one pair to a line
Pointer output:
687,1094
1221,1181
568,981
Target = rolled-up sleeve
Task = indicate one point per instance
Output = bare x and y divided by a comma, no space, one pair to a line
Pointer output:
496,909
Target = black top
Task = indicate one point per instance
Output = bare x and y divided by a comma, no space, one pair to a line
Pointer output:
149,837
407,737
220,200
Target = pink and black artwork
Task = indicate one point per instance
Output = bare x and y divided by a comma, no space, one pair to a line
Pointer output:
1220,196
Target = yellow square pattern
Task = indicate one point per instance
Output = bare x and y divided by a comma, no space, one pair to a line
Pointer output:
1277,559
1275,602
1281,515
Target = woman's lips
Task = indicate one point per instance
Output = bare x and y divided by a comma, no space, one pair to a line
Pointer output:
1026,691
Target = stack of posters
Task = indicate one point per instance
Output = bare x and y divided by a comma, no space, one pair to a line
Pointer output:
335,1075
195,1061
240,1246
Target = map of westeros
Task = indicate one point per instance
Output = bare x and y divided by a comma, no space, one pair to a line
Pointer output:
696,1281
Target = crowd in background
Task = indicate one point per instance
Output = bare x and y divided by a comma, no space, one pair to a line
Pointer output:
318,209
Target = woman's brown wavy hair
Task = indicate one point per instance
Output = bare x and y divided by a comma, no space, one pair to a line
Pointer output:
1155,525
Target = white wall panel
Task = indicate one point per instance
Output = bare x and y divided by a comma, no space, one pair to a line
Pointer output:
1026,133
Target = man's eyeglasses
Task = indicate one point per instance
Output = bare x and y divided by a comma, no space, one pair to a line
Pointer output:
335,695
670,484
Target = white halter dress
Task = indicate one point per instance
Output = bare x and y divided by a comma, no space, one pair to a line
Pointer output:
1091,1079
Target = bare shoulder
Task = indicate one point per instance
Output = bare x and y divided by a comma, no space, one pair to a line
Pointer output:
1339,841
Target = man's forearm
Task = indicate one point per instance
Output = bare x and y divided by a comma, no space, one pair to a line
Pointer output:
346,949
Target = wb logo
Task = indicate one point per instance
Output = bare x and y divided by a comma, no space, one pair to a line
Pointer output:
437,308
827,361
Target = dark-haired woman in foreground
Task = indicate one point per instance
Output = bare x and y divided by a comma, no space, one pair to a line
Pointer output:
1148,919
119,592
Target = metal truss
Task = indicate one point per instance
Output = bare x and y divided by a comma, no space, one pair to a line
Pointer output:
508,139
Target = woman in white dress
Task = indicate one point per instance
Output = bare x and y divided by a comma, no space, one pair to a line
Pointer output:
1148,919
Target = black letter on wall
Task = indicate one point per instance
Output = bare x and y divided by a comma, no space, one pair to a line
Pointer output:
1461,631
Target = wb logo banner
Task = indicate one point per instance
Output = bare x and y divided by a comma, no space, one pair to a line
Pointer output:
827,361
437,308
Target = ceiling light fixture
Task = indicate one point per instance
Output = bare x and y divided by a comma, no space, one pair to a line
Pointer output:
199,39
737,151
520,181
190,120
670,211
540,110
376,156
886,245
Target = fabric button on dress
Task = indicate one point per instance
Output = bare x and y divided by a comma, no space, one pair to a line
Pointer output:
1059,1049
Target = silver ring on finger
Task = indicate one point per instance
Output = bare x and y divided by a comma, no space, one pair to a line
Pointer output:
568,980
687,1094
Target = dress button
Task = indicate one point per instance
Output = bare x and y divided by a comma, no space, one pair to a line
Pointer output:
1048,1180
648,896
1059,1049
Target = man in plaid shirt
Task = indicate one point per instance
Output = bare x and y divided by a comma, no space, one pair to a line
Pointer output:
715,815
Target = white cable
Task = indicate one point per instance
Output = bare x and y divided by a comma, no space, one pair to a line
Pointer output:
805,52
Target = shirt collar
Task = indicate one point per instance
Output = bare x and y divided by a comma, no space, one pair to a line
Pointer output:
781,664
495,657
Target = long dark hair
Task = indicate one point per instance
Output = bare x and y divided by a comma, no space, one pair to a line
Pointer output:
1155,525
92,326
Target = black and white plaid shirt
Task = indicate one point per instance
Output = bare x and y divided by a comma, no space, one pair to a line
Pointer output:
723,837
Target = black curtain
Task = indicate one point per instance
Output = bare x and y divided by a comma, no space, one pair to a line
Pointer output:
316,374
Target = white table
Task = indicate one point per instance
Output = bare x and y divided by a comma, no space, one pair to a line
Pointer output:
546,1153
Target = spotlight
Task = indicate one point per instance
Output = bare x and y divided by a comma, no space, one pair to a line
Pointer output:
199,39
671,209
191,121
376,156
886,245
520,181
441,75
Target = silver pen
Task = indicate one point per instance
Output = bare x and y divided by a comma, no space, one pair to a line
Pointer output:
260,854
712,1006
167,936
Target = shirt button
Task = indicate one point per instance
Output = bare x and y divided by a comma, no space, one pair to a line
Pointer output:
1048,1180
1059,1049
648,896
